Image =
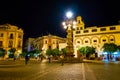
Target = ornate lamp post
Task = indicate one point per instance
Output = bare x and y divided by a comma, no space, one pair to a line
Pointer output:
69,25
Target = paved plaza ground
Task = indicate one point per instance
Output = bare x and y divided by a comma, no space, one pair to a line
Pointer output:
36,70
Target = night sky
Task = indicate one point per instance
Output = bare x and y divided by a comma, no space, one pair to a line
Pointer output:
40,17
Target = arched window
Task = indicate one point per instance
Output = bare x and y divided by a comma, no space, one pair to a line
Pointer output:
11,36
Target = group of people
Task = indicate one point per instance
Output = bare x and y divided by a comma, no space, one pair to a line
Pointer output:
61,59
49,59
27,58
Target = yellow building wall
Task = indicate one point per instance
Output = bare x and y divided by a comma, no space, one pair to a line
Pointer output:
88,37
49,40
6,30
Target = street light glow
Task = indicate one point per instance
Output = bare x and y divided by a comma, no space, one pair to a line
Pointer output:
74,22
63,23
69,14
65,27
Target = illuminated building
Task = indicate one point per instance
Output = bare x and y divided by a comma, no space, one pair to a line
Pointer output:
11,37
94,36
45,42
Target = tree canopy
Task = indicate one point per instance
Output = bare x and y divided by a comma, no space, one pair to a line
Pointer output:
2,52
110,47
12,50
48,52
55,52
63,51
87,50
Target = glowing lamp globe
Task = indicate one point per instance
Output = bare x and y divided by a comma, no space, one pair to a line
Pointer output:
69,14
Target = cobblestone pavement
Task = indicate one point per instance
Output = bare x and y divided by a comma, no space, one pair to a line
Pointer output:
102,71
10,70
35,70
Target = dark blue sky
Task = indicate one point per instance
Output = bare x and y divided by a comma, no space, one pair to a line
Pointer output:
38,17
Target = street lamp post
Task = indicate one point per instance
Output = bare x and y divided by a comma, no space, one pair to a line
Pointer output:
69,25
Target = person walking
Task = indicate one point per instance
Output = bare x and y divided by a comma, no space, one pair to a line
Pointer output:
62,60
49,59
26,59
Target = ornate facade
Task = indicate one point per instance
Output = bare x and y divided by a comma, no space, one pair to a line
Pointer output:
44,42
11,37
94,36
